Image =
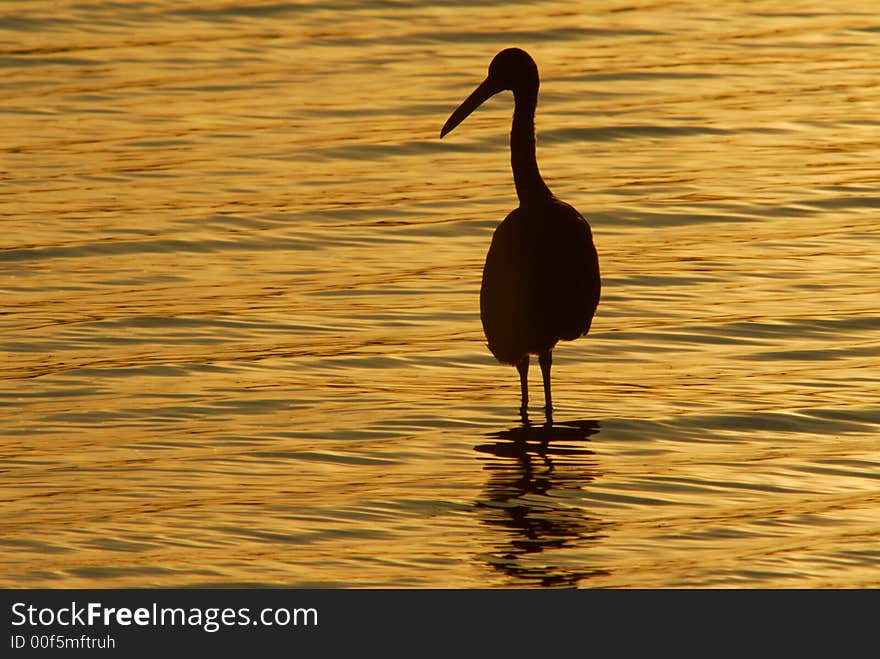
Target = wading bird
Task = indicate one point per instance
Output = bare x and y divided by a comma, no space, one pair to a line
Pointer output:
541,277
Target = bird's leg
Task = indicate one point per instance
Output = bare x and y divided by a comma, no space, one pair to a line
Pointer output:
523,367
545,359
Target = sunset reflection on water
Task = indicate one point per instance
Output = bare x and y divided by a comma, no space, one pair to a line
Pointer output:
241,334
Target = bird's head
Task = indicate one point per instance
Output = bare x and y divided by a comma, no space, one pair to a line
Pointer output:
512,69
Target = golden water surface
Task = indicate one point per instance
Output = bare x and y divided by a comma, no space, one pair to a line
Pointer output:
240,275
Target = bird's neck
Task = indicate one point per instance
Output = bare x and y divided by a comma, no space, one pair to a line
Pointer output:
530,187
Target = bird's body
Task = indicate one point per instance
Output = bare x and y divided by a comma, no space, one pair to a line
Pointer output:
540,281
541,278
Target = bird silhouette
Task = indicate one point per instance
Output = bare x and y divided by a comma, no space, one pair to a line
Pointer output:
541,277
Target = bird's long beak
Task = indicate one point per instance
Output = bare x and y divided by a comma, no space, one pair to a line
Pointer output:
486,90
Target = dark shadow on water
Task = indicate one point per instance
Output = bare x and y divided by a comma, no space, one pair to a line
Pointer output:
539,438
530,500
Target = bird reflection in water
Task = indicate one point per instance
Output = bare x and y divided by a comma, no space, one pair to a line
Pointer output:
535,474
